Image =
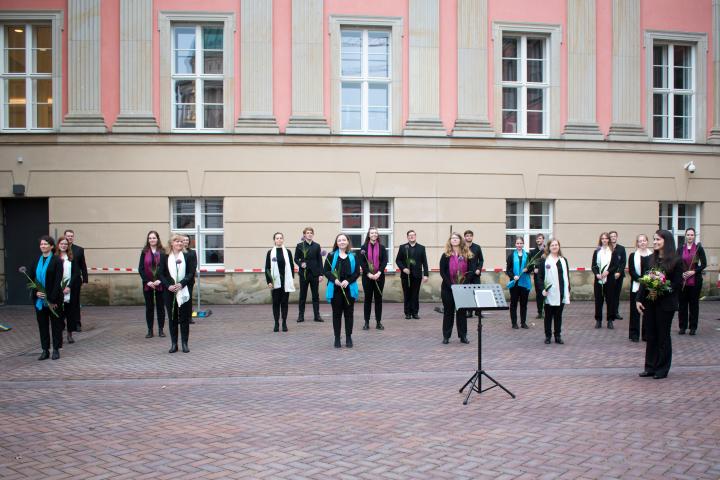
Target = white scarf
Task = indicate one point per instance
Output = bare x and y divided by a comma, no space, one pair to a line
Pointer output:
604,257
552,277
638,269
67,272
275,271
177,273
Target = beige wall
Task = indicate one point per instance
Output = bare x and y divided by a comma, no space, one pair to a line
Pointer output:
112,193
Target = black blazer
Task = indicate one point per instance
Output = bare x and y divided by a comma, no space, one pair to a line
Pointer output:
164,274
445,271
417,253
699,265
314,259
479,261
79,258
673,271
364,265
75,274
141,268
534,252
281,266
192,253
635,276
53,279
614,266
621,254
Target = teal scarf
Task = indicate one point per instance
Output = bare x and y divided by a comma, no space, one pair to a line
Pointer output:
40,273
353,287
518,266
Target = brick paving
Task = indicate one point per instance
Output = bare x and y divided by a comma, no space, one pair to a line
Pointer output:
250,403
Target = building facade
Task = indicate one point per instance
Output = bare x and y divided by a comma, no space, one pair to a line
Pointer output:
230,120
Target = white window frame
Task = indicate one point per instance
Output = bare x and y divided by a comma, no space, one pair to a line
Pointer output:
365,224
675,219
553,33
30,18
199,240
166,20
525,232
395,25
698,42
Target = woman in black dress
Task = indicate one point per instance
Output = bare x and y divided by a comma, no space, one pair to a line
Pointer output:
373,260
279,274
342,271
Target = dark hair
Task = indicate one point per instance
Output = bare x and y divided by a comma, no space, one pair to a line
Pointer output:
604,234
540,235
690,228
68,251
335,244
278,233
519,238
410,231
147,243
468,231
367,236
669,255
611,232
50,240
68,230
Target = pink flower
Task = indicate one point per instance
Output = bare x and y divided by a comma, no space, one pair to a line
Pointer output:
323,253
547,267
178,261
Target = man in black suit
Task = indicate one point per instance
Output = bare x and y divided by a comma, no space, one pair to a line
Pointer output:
412,261
191,254
619,252
308,257
79,257
473,277
539,287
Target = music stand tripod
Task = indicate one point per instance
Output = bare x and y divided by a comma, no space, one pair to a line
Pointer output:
479,297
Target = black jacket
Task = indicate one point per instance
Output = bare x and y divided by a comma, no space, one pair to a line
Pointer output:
534,252
420,267
700,263
79,258
53,279
447,281
75,274
561,278
635,276
383,260
192,253
479,261
313,261
614,266
164,274
280,265
141,268
621,260
673,271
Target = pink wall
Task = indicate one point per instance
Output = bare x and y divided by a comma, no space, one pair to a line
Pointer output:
603,62
109,71
448,63
282,61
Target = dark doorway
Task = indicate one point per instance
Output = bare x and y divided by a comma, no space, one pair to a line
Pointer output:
24,221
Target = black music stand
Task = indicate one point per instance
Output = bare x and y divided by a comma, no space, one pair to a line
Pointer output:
488,296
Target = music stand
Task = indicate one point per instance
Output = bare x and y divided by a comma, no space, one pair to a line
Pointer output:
488,296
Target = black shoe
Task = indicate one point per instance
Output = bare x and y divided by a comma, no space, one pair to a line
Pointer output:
55,354
539,315
44,355
446,340
416,316
598,324
277,327
173,348
658,376
464,340
692,331
318,319
407,316
337,342
367,325
284,327
559,339
524,325
348,341
379,326
547,340
635,340
72,340
618,317
79,329
610,324
300,319
515,327
469,315
149,335
646,374
191,322
682,331
161,333
185,348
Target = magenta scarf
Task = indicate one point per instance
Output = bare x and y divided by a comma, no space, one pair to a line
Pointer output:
373,253
687,256
457,264
151,260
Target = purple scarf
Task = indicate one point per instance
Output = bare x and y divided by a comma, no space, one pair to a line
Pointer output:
457,264
373,253
151,260
687,256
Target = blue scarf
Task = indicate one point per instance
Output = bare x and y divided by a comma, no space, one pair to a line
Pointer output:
518,266
40,273
331,285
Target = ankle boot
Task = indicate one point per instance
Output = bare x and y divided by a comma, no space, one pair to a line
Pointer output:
598,324
173,348
547,340
71,339
149,335
185,348
44,355
610,324
161,333
348,341
337,342
367,325
55,354
277,326
558,339
284,326
379,326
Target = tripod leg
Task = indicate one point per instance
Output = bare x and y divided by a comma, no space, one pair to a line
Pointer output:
498,384
469,381
472,388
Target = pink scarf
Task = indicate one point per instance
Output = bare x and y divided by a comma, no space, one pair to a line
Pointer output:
373,253
457,264
687,256
151,260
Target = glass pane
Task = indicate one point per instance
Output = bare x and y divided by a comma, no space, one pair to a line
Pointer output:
213,241
535,98
43,103
513,215
510,242
535,48
351,103
184,38
185,61
682,55
351,52
682,105
212,38
660,104
509,70
380,221
510,47
356,240
539,216
185,116
666,223
378,99
379,206
510,98
509,122
378,94
378,54
15,45
213,116
212,206
213,62
351,94
212,221
352,213
16,100
385,240
682,78
184,221
535,71
535,122
214,256
42,42
660,55
660,127
184,207
213,91
379,214
660,77
378,119
666,209
687,210
185,91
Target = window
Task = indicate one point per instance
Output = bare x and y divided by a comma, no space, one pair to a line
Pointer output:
365,71
204,217
197,66
673,86
27,88
678,217
359,215
527,218
524,85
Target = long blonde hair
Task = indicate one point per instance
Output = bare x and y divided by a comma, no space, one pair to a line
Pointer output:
173,237
464,250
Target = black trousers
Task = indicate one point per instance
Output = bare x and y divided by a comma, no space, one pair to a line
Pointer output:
539,299
553,318
450,316
75,305
280,304
658,351
154,301
67,317
47,323
411,294
342,308
312,281
637,321
518,295
178,317
689,303
605,295
371,293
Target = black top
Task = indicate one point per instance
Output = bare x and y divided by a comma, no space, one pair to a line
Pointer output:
614,267
383,259
561,277
79,258
53,279
164,274
343,268
313,260
619,252
280,264
447,281
75,273
417,253
192,253
700,264
635,276
673,271
479,261
141,267
534,252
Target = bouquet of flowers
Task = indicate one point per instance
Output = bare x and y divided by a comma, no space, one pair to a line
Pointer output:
33,285
371,267
336,273
656,282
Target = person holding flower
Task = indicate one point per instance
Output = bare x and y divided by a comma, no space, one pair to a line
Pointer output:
152,286
554,276
604,266
537,253
279,274
694,262
45,279
658,300
637,267
308,257
373,260
412,262
71,278
517,269
342,271
176,272
457,264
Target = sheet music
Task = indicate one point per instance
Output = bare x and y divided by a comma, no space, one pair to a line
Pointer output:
485,299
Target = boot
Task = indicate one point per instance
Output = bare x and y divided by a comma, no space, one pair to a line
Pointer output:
558,339
70,337
524,325
610,324
367,325
55,354
337,342
284,326
277,326
316,312
547,340
379,326
173,348
598,324
185,348
348,341
301,317
161,333
44,355
149,335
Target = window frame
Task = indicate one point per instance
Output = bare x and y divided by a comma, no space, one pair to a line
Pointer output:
29,18
699,44
677,234
526,231
199,241
395,26
365,224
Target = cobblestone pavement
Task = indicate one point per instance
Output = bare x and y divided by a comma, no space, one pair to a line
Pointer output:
250,403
